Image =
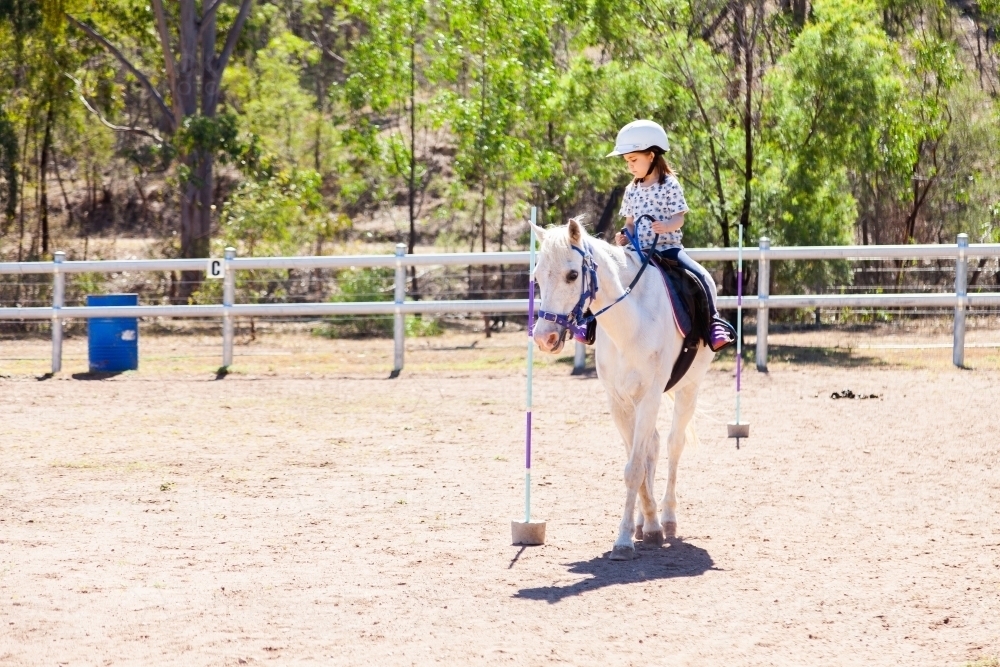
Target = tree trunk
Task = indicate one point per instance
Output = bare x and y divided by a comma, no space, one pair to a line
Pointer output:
800,11
62,189
605,229
43,169
413,155
20,223
503,216
482,229
196,219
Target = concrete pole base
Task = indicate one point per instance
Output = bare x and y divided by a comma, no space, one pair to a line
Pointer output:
738,430
527,534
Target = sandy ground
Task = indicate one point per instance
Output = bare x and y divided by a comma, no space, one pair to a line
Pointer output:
306,509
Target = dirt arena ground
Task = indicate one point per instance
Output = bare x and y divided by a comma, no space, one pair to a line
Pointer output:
304,509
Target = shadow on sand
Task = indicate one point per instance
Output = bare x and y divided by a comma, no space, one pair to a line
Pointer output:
96,376
676,558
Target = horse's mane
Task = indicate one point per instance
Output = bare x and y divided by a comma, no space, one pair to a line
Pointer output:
560,239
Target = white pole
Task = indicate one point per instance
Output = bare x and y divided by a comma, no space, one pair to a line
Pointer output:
399,323
228,296
579,358
531,360
763,288
58,296
962,292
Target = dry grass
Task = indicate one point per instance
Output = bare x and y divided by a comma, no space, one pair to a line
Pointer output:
292,350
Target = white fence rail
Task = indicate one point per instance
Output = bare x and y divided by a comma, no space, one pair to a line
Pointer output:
764,254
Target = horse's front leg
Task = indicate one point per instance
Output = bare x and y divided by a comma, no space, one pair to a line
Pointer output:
623,413
639,472
647,526
684,406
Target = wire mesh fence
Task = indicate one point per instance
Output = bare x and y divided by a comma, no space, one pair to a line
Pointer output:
821,285
451,283
276,286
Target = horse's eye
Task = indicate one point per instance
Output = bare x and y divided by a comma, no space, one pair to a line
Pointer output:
572,276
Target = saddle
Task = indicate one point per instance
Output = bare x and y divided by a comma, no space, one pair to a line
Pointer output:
691,313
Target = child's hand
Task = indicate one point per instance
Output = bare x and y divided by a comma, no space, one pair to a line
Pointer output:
620,239
661,227
671,225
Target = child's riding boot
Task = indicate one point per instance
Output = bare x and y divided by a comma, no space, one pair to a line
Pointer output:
720,334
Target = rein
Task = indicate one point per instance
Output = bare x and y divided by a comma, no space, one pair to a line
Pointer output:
576,321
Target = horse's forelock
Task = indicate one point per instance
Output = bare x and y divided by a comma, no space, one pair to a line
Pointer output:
558,237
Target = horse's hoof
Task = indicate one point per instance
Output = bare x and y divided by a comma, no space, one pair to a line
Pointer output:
653,538
669,529
638,533
622,553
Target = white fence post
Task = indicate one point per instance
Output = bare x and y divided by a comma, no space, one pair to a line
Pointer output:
228,296
399,323
579,358
961,292
58,296
763,287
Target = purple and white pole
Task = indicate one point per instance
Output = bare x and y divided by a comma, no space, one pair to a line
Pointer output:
739,321
531,359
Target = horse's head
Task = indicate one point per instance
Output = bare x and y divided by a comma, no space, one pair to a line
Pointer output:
559,271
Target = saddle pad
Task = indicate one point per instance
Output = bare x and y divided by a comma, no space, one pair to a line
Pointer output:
681,316
684,320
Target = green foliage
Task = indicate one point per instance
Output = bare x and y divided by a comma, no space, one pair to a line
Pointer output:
355,285
82,284
422,327
359,285
836,106
271,102
275,214
862,121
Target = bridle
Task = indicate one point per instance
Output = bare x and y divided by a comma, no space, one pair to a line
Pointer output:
576,320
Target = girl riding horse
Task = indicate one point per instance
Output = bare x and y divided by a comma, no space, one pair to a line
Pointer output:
654,207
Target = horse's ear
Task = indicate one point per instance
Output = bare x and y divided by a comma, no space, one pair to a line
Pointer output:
575,231
539,232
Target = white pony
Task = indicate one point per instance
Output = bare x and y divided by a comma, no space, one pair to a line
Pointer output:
636,346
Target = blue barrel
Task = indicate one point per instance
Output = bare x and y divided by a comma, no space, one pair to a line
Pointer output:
113,342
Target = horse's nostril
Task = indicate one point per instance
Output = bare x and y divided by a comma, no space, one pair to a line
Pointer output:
551,339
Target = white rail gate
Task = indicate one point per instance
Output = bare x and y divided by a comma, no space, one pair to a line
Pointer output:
959,300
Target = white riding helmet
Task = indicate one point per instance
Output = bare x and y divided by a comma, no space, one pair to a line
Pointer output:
640,135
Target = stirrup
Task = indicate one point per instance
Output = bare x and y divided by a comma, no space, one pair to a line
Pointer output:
721,334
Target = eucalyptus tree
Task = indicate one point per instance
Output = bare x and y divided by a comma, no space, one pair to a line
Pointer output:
836,112
383,76
193,55
494,62
36,99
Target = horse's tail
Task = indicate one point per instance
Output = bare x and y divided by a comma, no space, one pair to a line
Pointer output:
690,433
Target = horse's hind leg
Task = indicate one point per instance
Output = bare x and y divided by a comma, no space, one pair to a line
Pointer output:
684,405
